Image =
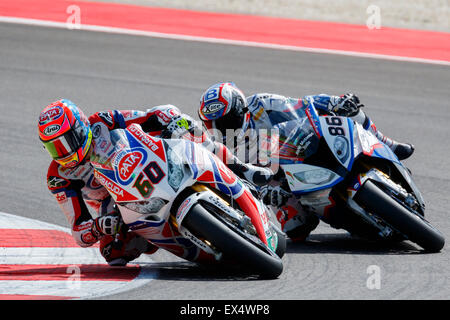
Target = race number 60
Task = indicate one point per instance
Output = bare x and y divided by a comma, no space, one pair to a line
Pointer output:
154,174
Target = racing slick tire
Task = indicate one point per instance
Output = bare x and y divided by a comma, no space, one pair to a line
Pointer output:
250,255
414,227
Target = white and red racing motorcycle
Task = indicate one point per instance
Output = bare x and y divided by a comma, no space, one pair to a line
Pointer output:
179,196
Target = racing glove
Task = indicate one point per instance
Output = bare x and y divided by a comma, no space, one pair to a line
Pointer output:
346,105
257,175
131,247
106,225
274,195
177,127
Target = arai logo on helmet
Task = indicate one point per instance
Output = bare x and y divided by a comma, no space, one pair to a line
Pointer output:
212,107
128,163
52,129
51,114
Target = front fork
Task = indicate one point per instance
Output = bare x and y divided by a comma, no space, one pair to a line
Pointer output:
205,195
383,180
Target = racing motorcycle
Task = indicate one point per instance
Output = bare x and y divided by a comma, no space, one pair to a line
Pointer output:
348,178
179,196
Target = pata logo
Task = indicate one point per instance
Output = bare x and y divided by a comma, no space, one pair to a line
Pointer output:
128,163
50,115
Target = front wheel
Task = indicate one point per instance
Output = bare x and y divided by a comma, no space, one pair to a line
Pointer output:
233,244
413,227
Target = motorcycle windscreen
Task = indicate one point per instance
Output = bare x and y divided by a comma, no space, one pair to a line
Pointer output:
297,139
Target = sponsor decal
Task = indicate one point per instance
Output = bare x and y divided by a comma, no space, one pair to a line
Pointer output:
51,114
128,163
305,139
56,182
116,191
88,238
81,171
212,107
182,209
106,117
61,197
87,225
142,137
108,184
154,145
258,114
304,144
52,129
312,122
163,116
173,112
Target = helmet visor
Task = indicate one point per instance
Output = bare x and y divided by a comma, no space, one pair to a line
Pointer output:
67,144
232,120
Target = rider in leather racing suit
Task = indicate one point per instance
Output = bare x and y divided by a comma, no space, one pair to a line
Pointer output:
223,106
66,134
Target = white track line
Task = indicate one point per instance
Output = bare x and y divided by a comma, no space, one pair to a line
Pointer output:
84,289
63,25
53,256
11,221
12,256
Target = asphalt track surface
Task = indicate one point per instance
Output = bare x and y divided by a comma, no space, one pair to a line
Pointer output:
99,71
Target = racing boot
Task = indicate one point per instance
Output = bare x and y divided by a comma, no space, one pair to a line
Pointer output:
401,150
125,248
349,105
295,222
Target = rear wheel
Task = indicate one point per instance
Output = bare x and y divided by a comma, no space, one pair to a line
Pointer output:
413,227
235,246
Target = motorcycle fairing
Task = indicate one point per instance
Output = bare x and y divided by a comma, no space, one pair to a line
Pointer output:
312,115
369,145
300,178
180,164
346,139
297,132
207,168
110,149
338,133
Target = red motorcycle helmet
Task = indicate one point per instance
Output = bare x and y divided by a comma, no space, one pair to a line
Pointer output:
65,132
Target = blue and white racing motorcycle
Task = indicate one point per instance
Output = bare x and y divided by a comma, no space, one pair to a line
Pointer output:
346,176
